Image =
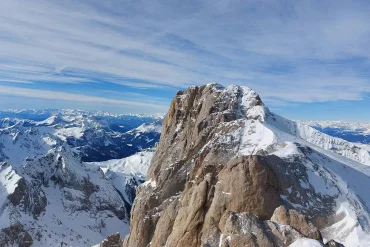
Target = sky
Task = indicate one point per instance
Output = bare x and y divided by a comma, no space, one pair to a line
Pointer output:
307,59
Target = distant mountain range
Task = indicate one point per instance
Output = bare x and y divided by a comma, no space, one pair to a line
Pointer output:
352,132
39,115
98,136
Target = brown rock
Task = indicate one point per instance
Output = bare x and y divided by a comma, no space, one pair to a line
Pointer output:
281,235
244,229
113,240
165,222
188,126
249,186
293,218
201,193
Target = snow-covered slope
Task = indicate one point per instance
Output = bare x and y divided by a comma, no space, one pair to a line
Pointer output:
127,173
57,199
271,128
338,145
335,168
50,197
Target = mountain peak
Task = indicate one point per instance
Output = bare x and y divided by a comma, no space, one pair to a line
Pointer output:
249,104
228,172
240,101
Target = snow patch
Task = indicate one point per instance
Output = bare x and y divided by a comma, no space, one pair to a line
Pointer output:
306,242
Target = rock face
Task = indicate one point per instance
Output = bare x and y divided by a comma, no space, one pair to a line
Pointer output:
202,191
30,197
228,172
293,218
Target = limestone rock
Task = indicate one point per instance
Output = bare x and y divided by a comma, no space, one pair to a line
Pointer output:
249,185
244,229
293,218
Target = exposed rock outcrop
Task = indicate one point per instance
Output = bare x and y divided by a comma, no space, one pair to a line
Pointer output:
244,229
293,218
113,240
15,235
202,190
29,197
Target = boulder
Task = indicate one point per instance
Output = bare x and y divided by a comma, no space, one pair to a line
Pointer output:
284,216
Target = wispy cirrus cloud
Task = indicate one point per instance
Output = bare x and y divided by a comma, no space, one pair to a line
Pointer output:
288,51
78,98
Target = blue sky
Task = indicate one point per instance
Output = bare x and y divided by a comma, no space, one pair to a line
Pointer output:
307,59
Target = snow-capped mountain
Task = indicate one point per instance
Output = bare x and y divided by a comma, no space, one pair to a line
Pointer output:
99,144
229,172
49,195
97,137
55,200
38,115
352,132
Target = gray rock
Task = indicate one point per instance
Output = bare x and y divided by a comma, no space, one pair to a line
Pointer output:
15,235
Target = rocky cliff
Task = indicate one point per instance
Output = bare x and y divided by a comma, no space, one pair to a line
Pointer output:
228,172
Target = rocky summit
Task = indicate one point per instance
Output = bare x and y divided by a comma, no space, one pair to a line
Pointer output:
229,172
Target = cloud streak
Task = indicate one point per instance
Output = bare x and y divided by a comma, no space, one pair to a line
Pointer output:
52,95
288,51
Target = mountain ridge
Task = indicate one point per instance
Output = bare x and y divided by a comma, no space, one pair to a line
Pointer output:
351,131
